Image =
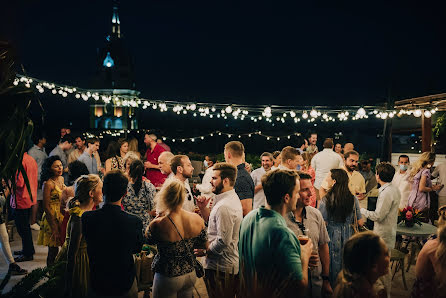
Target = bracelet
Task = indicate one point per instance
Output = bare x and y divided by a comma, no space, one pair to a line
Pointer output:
325,277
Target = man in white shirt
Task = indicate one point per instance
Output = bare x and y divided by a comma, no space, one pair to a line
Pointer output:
385,215
257,174
440,172
164,163
291,158
205,188
222,256
182,168
323,162
401,179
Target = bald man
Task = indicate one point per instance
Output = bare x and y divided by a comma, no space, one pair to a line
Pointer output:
164,163
348,147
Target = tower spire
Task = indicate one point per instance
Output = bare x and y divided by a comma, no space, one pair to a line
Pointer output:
116,24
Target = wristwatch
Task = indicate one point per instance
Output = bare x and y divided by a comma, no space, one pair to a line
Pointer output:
325,277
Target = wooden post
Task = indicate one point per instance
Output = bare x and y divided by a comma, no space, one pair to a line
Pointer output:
386,149
426,128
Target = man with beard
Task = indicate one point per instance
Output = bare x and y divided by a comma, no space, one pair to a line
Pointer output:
182,168
79,142
154,150
356,182
222,259
257,174
164,161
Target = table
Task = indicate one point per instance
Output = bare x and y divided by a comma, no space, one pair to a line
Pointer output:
423,231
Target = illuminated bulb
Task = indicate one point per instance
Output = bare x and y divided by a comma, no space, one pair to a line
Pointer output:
289,137
202,138
213,109
229,136
427,114
417,113
361,112
268,138
193,140
292,114
193,107
313,113
305,115
278,138
173,140
433,111
249,135
228,109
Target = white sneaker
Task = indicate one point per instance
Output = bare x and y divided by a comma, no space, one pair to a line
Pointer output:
35,227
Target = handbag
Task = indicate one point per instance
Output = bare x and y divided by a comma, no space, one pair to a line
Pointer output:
143,268
199,270
356,227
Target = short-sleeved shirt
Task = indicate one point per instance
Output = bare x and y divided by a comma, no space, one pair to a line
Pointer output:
269,248
356,182
22,197
244,185
154,175
259,197
39,156
314,222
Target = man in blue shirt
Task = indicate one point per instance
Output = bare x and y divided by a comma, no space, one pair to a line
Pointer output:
88,156
271,258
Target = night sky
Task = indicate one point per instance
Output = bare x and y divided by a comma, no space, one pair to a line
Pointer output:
225,51
280,53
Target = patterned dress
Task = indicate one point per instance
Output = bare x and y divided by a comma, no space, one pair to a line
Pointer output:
117,163
172,258
339,233
80,274
46,234
140,204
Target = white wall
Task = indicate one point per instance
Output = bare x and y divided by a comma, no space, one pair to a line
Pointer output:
414,156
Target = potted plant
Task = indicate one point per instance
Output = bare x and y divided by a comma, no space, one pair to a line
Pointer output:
410,216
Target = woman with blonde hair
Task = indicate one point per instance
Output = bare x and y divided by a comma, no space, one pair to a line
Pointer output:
430,270
420,176
176,233
130,157
133,147
88,193
116,161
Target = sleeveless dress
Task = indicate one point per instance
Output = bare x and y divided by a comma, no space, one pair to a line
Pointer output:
117,163
81,264
45,228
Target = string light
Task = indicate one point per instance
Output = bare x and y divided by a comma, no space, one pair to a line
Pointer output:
222,111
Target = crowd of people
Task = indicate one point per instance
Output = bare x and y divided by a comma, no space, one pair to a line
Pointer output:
292,227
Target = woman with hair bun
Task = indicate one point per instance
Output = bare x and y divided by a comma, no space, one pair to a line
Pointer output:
139,199
176,234
88,193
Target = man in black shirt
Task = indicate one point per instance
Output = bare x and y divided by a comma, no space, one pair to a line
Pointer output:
244,185
112,236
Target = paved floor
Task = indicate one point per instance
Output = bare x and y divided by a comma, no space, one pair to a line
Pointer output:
41,253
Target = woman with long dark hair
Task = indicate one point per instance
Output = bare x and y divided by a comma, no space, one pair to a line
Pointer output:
116,160
53,186
88,193
338,209
139,199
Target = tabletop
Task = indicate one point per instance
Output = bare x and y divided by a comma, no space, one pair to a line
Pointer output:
423,230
